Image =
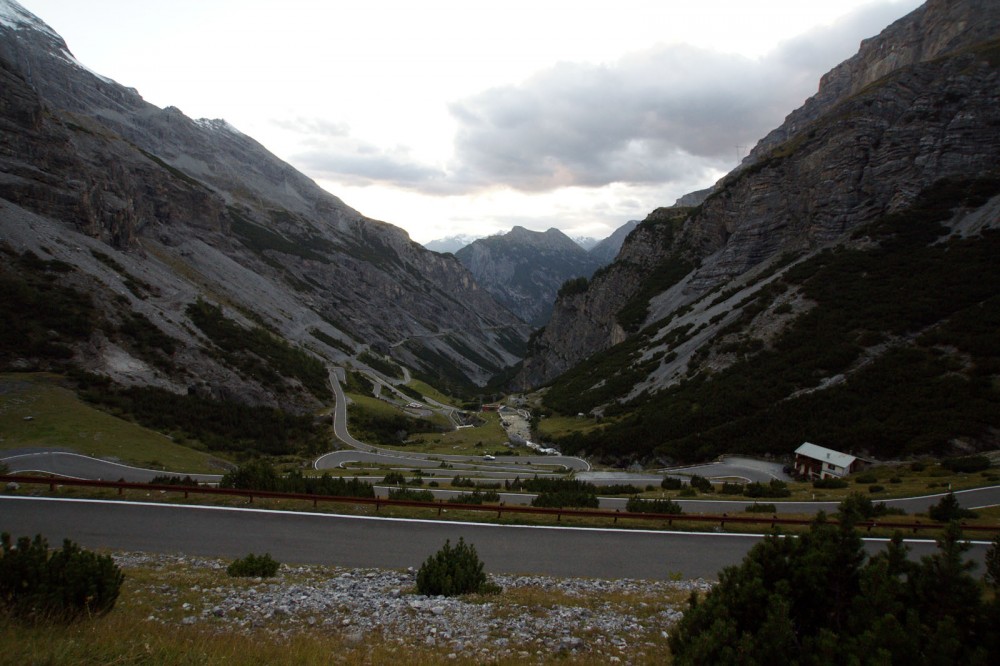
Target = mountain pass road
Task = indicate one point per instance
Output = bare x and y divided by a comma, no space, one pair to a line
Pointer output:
311,538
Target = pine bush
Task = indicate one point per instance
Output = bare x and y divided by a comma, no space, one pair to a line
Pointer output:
639,505
36,584
453,571
254,566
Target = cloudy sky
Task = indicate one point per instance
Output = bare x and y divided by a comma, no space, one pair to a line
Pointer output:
450,117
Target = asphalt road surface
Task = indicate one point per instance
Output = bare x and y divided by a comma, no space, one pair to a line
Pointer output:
308,538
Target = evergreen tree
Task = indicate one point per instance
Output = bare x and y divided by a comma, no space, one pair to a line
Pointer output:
817,599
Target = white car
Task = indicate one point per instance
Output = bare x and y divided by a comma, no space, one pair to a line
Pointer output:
489,457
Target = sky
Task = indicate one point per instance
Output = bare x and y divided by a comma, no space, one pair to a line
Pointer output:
468,117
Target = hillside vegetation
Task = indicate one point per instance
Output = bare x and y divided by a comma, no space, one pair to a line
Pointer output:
898,354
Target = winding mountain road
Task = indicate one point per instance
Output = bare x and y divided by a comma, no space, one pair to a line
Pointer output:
380,456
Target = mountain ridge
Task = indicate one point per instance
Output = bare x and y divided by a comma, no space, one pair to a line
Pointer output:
196,209
525,269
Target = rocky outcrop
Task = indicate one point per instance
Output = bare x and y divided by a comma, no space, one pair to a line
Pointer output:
919,103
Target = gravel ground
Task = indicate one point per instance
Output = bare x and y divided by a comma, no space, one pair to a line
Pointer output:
614,620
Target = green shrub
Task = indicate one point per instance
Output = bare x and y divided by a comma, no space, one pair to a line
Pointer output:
731,488
254,566
830,483
477,496
638,505
453,571
918,466
967,464
62,585
948,509
774,488
701,484
561,498
865,478
860,507
671,483
411,495
875,488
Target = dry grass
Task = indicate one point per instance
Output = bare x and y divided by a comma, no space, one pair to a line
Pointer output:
147,627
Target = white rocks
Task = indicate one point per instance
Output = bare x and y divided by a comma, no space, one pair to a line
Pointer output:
363,602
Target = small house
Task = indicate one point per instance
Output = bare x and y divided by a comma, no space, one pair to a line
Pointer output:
817,462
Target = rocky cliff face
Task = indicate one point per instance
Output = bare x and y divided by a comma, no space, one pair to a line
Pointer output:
195,209
919,103
524,269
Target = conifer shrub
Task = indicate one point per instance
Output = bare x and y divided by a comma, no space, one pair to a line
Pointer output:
773,488
566,498
453,571
671,483
62,585
967,464
254,566
701,484
639,505
411,494
830,483
948,509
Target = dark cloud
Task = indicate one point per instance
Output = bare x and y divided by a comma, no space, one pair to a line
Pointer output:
672,114
656,116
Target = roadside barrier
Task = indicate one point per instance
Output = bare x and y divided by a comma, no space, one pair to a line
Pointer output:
499,509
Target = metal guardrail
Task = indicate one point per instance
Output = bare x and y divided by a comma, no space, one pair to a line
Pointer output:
499,509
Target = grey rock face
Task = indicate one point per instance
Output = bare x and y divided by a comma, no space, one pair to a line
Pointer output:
200,209
524,269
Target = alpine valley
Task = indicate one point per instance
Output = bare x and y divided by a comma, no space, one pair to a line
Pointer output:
839,286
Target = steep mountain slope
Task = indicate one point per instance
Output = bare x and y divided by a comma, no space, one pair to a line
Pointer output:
140,214
723,313
605,251
524,269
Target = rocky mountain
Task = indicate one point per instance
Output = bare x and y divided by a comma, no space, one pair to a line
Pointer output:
195,260
852,241
604,252
450,244
524,269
